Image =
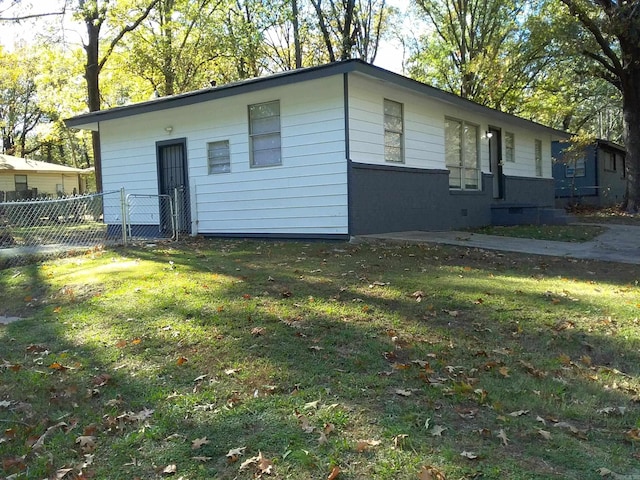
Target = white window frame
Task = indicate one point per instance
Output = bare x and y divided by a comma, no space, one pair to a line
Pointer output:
218,157
393,136
270,156
462,162
509,147
538,157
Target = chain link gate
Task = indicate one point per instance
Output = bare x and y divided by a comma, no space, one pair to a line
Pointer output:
148,217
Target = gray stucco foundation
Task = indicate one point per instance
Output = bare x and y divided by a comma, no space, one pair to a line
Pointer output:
385,199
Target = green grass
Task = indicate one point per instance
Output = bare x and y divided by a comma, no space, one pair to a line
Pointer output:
560,233
376,359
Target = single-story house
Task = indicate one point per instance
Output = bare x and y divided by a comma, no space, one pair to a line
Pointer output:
596,176
22,178
336,150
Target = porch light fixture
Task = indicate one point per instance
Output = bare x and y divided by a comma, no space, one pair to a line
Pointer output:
488,135
168,129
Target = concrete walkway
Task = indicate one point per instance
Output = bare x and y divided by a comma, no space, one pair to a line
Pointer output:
619,243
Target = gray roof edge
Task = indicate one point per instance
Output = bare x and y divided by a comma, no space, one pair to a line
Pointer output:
213,93
294,76
453,99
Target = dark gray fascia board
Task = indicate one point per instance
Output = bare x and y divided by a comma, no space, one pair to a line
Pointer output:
212,93
295,76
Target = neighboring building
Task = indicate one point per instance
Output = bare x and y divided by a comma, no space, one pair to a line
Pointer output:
331,151
21,178
595,178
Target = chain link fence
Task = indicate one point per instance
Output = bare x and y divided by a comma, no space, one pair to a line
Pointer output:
36,229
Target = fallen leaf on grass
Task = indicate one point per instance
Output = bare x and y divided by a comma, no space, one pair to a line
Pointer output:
201,459
335,471
170,469
544,434
519,413
362,445
469,455
430,473
182,360
437,430
87,442
310,405
504,371
258,331
58,366
633,434
199,442
235,453
503,437
263,465
398,440
403,393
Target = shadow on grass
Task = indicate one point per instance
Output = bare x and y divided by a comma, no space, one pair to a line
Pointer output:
263,338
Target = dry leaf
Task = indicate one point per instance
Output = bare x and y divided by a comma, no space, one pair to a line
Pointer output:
310,405
403,393
469,455
398,440
264,465
170,469
201,459
199,442
87,442
519,413
430,473
60,474
235,453
362,445
335,471
544,434
503,437
181,361
257,331
437,430
504,371
322,439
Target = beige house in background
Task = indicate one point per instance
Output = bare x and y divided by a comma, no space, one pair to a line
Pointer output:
22,178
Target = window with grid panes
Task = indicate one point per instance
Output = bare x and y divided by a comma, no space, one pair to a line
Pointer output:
462,154
393,132
264,134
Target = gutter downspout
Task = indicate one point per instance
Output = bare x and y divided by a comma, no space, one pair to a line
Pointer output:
345,92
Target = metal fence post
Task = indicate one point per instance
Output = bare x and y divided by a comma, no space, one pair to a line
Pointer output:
123,209
177,209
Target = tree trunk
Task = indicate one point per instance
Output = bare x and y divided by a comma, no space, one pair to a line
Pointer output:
91,75
296,33
631,125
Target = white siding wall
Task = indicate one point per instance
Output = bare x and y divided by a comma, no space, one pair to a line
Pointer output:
424,130
307,194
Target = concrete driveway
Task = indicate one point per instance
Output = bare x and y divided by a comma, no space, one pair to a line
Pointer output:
619,243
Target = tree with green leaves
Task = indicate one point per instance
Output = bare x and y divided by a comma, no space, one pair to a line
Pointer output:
489,51
351,28
610,39
119,18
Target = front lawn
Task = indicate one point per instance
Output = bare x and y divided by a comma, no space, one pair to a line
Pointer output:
306,360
